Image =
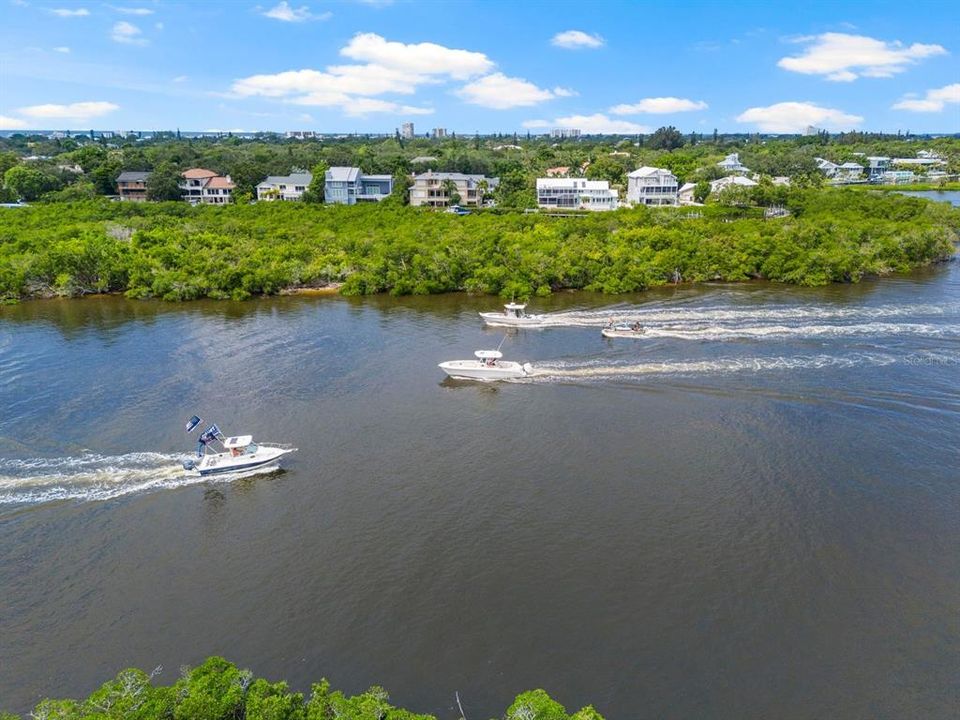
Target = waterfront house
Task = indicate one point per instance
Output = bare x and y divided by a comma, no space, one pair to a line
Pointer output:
898,177
201,186
828,168
576,194
730,181
850,172
132,186
430,189
731,164
349,186
284,187
652,186
878,165
685,194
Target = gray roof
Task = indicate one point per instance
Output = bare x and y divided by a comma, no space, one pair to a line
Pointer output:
294,179
424,159
133,176
342,174
376,177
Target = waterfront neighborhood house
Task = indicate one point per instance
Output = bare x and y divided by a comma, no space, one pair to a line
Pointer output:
132,186
433,189
731,163
199,186
576,194
652,186
349,186
878,166
284,187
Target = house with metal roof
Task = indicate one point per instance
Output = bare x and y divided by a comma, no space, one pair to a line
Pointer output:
284,187
349,186
132,186
652,186
731,163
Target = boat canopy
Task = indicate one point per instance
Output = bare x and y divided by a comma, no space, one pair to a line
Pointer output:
489,354
514,306
238,441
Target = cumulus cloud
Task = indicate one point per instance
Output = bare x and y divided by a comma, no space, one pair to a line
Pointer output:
934,101
499,92
843,58
791,117
127,33
132,10
71,111
66,12
62,49
659,106
596,124
576,40
283,11
384,67
12,123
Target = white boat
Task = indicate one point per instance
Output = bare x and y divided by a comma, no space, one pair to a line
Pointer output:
487,366
623,331
238,453
513,315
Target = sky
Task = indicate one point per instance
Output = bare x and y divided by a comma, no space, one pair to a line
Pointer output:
338,66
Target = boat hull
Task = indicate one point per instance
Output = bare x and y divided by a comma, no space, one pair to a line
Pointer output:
224,463
498,319
614,333
475,370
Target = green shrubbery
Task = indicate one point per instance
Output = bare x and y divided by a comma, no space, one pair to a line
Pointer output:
218,690
176,252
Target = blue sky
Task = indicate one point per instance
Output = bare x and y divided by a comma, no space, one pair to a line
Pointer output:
368,65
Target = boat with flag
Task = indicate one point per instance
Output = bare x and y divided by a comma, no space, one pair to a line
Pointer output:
220,454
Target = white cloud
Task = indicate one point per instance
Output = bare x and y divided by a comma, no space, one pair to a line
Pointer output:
576,39
659,106
181,78
596,124
387,67
72,111
12,123
418,58
127,33
565,92
791,117
132,10
283,11
843,58
499,92
158,26
62,49
66,12
934,101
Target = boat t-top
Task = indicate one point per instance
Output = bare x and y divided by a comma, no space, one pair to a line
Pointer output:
237,454
623,330
487,366
513,315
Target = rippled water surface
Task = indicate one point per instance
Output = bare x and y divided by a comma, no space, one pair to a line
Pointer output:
751,512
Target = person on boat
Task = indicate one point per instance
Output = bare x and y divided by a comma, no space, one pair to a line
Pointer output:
637,327
235,452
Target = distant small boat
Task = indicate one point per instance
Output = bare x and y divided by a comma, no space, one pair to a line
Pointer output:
487,366
623,331
238,453
513,315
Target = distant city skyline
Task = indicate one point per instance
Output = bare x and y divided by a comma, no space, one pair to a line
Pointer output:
369,66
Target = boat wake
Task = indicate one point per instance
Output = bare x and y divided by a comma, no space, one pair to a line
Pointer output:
601,370
92,477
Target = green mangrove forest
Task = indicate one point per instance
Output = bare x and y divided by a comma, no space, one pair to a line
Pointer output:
175,252
219,690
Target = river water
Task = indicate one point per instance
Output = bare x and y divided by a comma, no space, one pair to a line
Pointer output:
752,512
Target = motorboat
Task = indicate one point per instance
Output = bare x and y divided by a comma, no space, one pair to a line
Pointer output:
513,315
487,366
235,454
623,330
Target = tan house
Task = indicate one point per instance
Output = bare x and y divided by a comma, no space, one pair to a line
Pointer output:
132,186
200,186
430,188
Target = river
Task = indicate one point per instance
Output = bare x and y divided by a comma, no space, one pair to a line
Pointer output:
752,512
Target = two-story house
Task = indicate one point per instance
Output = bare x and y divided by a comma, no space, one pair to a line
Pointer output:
652,186
284,187
200,186
132,185
430,189
576,194
349,186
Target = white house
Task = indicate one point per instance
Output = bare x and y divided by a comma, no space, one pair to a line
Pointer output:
430,189
685,194
576,194
349,186
731,163
652,186
850,172
826,167
730,181
284,187
201,186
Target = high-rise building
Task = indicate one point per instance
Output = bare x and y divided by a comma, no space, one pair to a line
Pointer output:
406,131
565,133
439,132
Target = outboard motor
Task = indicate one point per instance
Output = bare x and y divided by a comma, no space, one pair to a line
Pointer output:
189,464
528,368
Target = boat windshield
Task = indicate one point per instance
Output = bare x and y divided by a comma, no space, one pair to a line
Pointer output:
250,449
